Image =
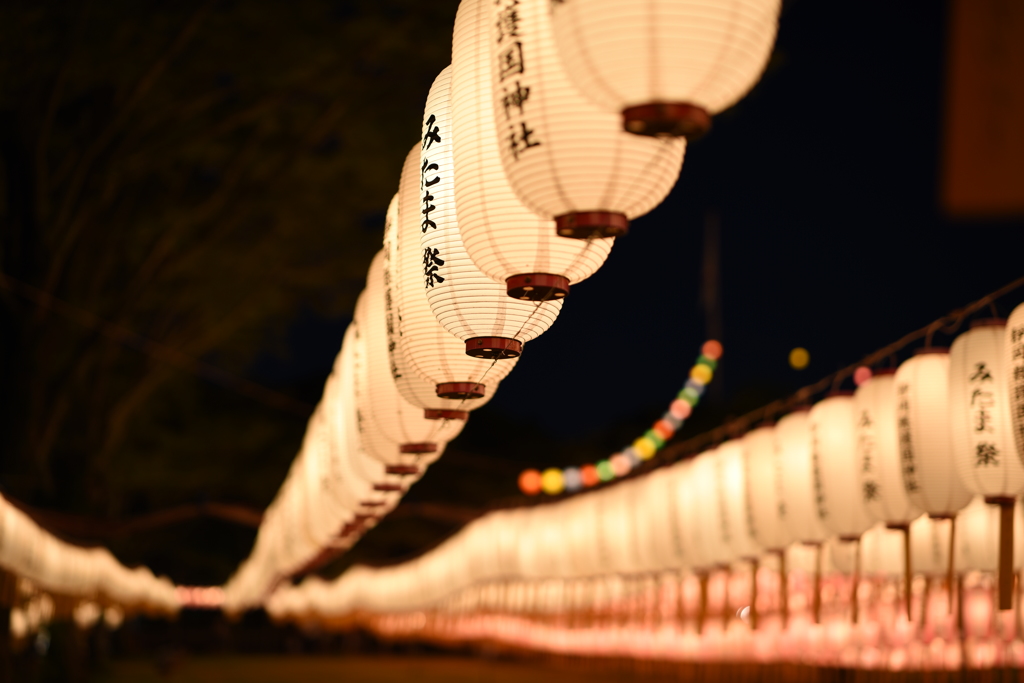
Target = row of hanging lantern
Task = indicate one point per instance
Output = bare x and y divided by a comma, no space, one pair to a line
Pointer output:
515,191
43,578
885,521
554,480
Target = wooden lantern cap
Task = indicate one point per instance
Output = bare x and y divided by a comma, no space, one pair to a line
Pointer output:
931,349
461,390
583,225
371,503
445,414
672,119
388,488
494,348
425,447
538,287
988,322
402,469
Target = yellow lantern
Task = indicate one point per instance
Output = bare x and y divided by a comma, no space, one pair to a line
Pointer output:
667,65
507,241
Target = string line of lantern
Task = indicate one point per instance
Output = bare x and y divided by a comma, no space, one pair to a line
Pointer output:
43,579
915,476
522,178
554,481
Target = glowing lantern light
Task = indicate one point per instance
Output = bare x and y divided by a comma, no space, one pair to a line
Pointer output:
1014,368
732,483
466,302
983,447
767,506
926,450
878,452
708,521
551,481
861,375
589,476
392,429
799,358
414,332
507,241
530,482
566,157
797,490
834,454
668,65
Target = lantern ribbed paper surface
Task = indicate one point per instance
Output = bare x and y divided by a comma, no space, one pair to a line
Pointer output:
881,552
1013,347
929,545
466,302
768,510
386,421
502,236
709,527
926,449
698,554
878,452
839,501
566,157
682,53
414,331
979,413
793,448
732,483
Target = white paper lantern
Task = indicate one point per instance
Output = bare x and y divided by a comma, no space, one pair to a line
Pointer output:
506,240
882,552
834,453
566,157
465,302
709,527
391,429
983,448
926,449
798,491
878,452
929,545
698,542
731,476
1013,347
768,509
668,65
414,331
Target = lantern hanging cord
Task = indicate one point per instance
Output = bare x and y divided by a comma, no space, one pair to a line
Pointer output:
947,325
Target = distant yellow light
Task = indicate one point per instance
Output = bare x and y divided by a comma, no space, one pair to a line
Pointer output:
799,358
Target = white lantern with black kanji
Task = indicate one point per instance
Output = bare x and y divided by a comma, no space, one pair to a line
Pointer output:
979,415
464,301
983,447
834,454
506,240
666,65
392,430
710,527
566,157
1013,347
925,436
794,450
414,333
767,506
878,451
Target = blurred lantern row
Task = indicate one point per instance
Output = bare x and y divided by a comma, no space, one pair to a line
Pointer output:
878,528
43,579
515,191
